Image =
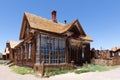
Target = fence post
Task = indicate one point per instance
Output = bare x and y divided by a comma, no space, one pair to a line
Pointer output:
36,68
72,64
42,68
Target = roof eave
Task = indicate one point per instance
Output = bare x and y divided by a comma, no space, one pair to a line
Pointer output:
22,27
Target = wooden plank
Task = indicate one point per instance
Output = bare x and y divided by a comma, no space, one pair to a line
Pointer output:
33,51
28,38
66,54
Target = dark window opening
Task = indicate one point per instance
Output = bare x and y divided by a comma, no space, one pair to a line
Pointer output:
75,31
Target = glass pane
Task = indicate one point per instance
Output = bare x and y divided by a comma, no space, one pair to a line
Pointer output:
37,49
50,49
62,50
29,51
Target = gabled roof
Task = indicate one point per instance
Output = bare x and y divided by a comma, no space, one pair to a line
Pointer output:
70,25
12,44
43,24
40,23
114,49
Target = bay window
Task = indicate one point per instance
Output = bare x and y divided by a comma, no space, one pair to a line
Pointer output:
52,49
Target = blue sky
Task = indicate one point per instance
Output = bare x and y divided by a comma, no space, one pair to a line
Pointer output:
99,18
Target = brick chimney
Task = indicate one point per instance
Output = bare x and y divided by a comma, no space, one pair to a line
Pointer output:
54,16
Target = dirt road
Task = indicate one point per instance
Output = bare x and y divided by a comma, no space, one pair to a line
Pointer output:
7,74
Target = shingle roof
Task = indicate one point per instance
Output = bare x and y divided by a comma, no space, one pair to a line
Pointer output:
115,48
13,43
37,22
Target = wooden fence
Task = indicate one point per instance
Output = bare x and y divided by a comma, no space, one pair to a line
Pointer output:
106,62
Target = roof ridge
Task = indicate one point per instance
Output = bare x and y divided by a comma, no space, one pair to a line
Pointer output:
13,41
58,23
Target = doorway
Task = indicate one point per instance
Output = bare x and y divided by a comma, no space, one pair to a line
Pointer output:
75,54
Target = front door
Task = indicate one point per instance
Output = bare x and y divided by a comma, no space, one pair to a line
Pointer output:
75,54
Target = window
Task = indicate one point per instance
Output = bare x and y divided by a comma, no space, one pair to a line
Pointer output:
54,52
119,53
25,46
27,28
52,49
83,51
62,50
113,54
21,51
45,48
29,50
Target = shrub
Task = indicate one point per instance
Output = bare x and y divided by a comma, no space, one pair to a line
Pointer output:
22,70
81,71
56,71
93,68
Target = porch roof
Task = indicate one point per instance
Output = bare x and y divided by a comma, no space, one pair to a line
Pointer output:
86,38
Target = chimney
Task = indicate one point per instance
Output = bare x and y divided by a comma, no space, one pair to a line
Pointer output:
54,16
65,21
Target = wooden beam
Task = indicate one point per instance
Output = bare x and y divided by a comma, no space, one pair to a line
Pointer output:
66,54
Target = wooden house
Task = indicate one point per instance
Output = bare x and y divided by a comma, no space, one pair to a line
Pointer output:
51,42
115,52
11,46
8,54
100,54
106,57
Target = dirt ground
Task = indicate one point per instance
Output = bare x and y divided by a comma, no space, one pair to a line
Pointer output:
7,74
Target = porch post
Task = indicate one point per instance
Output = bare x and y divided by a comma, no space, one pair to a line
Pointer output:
22,54
66,55
37,60
38,54
25,53
27,48
33,51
